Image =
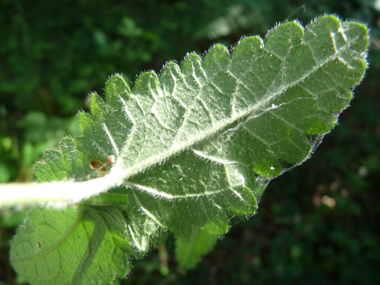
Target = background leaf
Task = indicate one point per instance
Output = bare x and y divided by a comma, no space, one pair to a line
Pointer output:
190,251
81,245
84,246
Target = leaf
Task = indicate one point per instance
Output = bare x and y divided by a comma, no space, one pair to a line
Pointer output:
198,144
81,245
85,246
190,251
202,141
64,164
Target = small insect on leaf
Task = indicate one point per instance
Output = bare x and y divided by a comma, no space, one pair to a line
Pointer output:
96,165
39,245
101,168
110,159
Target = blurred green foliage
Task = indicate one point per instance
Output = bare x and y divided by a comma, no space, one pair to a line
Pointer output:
318,224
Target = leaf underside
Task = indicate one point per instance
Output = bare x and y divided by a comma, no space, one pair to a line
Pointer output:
201,142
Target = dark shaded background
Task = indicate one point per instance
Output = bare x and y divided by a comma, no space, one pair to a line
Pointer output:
318,224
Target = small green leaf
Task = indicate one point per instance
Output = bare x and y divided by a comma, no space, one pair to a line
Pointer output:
190,251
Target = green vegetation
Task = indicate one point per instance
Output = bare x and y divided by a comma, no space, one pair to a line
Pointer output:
284,250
